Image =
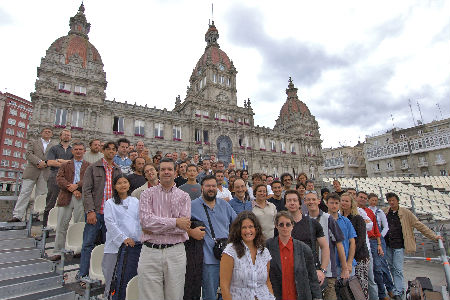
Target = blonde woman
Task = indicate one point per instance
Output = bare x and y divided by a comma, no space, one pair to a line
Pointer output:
349,209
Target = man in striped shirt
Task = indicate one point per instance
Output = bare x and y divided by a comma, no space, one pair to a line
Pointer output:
165,213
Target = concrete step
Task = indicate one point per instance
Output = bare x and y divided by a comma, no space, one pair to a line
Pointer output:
55,294
21,254
12,226
17,243
29,285
25,268
12,234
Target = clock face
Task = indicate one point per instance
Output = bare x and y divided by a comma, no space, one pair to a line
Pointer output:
221,67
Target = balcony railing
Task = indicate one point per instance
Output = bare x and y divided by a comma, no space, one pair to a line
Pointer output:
440,162
422,164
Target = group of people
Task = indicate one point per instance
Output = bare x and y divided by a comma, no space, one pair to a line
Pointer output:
200,226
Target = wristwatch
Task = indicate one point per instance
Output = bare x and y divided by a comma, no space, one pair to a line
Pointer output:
324,271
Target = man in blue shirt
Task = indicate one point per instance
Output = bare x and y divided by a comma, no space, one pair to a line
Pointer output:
121,159
241,201
347,229
221,215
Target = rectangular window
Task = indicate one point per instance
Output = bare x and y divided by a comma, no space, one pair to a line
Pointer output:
64,87
23,115
7,152
118,125
2,174
176,133
21,124
221,79
283,147
205,114
139,127
273,148
12,174
16,154
159,130
198,113
246,121
8,142
198,136
214,78
205,136
5,163
18,144
228,81
24,156
216,116
14,164
77,119
293,148
11,122
13,112
262,145
61,117
10,131
80,90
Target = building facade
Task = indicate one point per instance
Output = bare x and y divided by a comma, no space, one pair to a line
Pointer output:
344,161
16,116
70,93
417,151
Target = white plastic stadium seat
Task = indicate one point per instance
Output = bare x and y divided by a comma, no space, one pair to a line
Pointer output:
53,218
74,237
132,289
39,204
95,269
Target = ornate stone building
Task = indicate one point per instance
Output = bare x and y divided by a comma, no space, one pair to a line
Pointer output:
70,93
344,161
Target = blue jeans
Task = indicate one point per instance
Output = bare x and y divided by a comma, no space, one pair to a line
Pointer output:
395,258
387,279
377,268
210,281
90,234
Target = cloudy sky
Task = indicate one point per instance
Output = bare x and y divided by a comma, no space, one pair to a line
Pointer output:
355,62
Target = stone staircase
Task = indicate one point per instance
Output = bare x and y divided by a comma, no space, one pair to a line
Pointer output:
24,274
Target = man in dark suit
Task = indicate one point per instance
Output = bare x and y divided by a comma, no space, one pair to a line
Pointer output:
70,181
36,173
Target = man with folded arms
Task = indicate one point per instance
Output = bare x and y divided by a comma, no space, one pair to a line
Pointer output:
165,213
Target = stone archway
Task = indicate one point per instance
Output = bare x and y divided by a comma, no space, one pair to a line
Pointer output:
224,149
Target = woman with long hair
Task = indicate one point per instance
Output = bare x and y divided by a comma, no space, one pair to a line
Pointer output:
121,214
245,263
349,209
264,210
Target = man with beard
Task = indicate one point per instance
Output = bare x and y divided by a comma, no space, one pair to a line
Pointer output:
94,153
137,179
221,215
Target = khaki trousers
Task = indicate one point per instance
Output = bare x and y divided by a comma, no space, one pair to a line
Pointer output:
330,292
25,194
161,273
76,208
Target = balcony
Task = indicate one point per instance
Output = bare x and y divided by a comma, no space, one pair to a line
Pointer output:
404,167
440,162
422,164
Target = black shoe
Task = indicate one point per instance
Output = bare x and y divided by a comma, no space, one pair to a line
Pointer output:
14,220
55,257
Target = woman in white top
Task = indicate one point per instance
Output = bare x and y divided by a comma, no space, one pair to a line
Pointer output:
264,211
121,215
245,263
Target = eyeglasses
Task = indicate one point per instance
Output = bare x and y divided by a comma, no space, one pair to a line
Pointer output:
310,192
285,224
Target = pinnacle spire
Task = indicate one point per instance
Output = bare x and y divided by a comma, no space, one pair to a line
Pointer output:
212,35
78,23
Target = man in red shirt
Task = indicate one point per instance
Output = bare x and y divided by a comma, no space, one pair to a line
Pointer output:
376,250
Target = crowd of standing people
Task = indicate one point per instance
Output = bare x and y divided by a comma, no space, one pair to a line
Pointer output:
203,229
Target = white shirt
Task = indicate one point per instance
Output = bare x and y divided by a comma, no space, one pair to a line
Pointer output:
369,225
269,190
249,280
381,220
122,222
45,143
225,193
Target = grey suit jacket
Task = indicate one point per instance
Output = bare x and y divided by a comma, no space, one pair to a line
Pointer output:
306,281
35,153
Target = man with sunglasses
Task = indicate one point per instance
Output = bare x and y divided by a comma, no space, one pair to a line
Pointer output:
334,237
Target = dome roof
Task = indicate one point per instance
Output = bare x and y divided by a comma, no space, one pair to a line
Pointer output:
213,51
293,106
77,41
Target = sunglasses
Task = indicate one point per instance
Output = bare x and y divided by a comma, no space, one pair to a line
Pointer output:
285,224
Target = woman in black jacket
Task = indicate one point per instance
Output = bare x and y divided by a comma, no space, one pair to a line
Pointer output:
300,278
349,209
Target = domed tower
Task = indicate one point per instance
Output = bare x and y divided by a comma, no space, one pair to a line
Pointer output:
71,82
214,76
